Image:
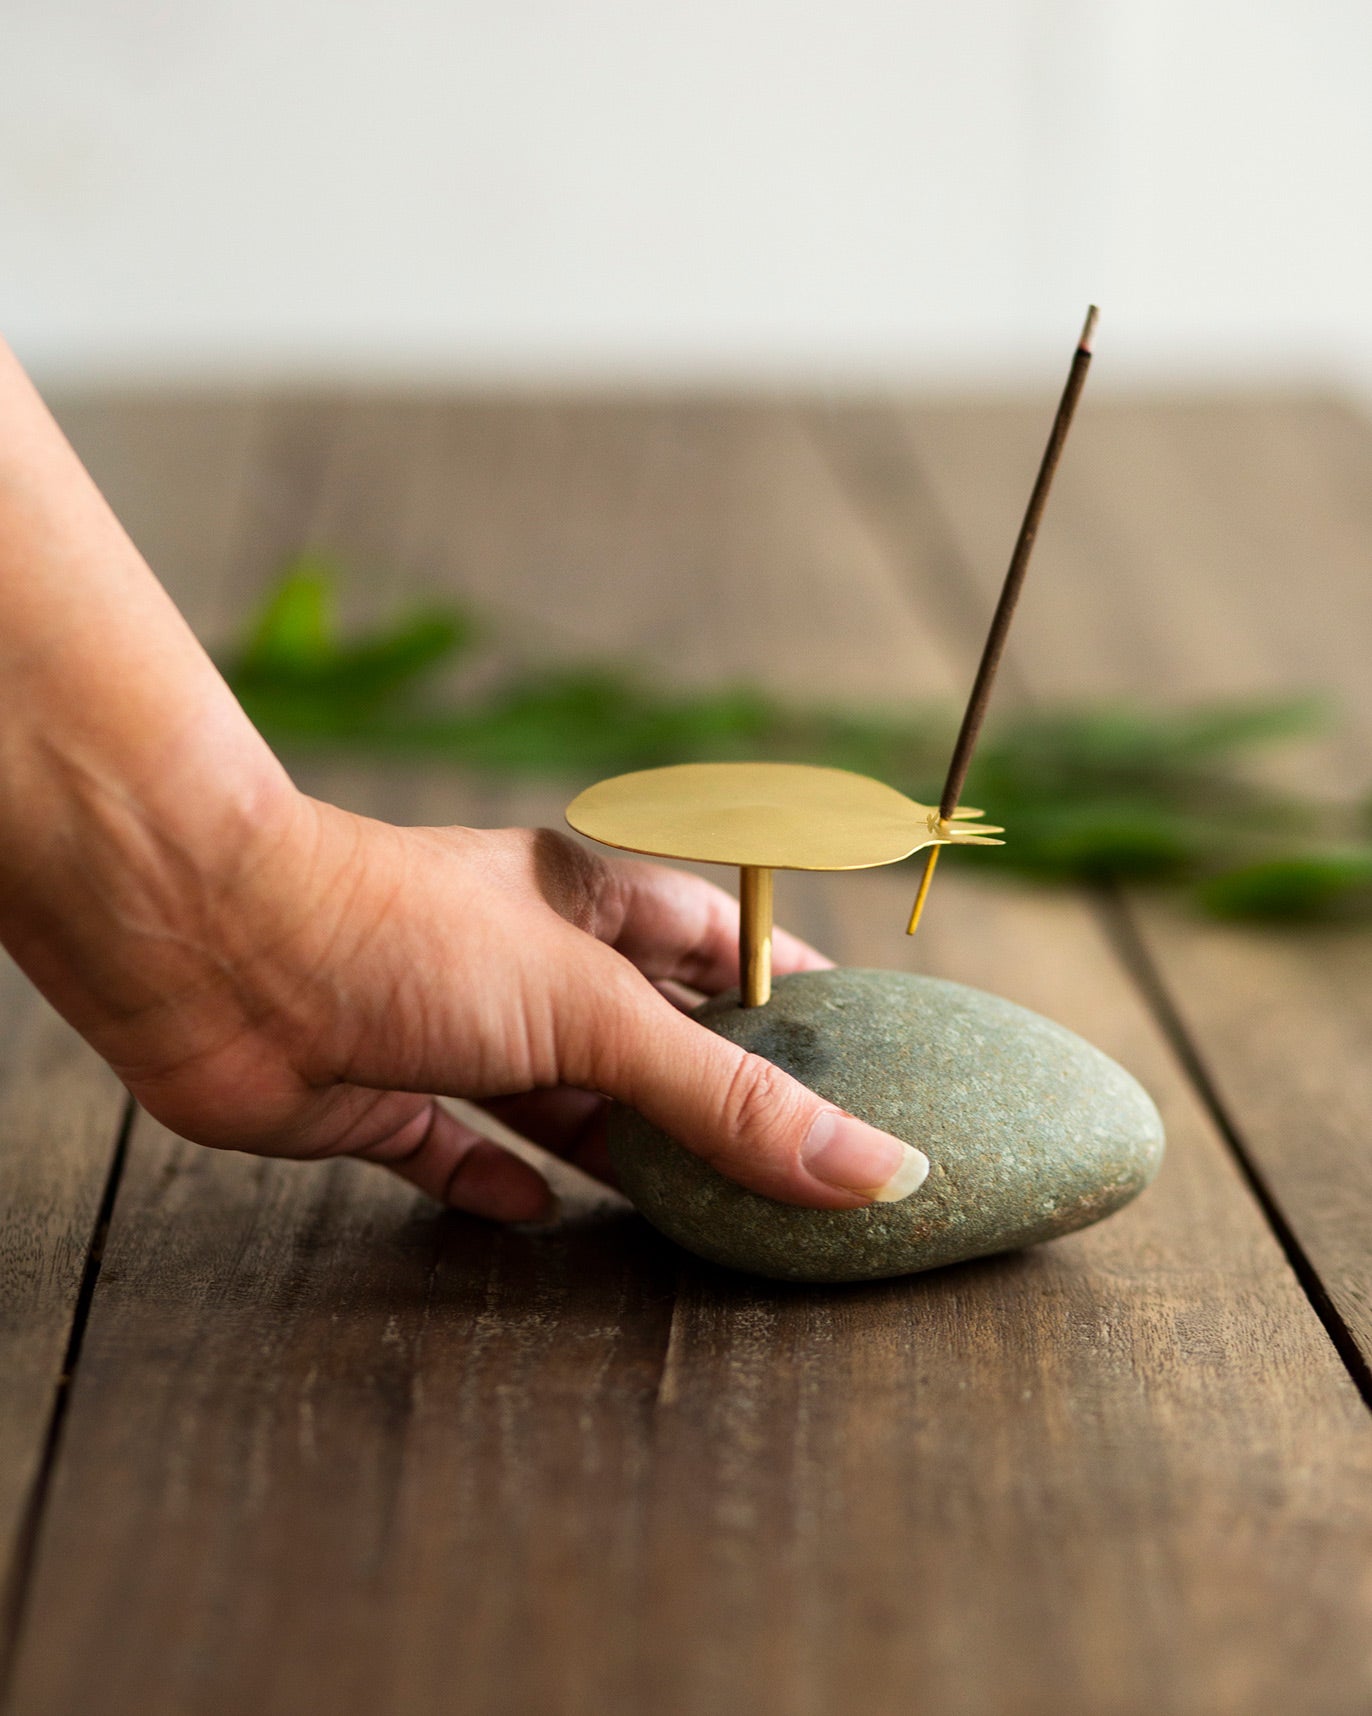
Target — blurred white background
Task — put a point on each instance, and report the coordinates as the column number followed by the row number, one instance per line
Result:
column 849, row 191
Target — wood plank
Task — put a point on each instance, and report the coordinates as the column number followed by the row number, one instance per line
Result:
column 173, row 471
column 1234, row 544
column 443, row 1423
column 612, row 530
column 360, row 1445
column 373, row 1458
column 1282, row 1019
column 60, row 1114
column 464, row 1577
column 1079, row 1549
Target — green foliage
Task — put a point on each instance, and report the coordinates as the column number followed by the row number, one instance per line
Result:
column 296, row 673
column 1089, row 793
column 1296, row 885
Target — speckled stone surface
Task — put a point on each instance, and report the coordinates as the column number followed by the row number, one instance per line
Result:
column 1030, row 1131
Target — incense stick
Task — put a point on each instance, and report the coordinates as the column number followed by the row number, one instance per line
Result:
column 994, row 647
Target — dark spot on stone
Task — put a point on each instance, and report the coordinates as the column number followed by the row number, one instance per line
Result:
column 789, row 1043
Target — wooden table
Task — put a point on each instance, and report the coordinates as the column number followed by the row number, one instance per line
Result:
column 280, row 1438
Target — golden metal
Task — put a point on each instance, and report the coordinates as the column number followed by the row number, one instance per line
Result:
column 755, row 935
column 764, row 817
column 917, row 911
column 773, row 816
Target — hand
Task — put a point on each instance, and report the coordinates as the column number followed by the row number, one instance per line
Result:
column 269, row 973
column 350, row 969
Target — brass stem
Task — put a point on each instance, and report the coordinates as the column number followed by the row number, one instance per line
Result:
column 923, row 893
column 755, row 935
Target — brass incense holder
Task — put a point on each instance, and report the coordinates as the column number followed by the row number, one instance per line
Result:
column 1028, row 1131
column 764, row 817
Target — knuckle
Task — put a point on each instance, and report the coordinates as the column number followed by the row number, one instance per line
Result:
column 759, row 1102
column 573, row 879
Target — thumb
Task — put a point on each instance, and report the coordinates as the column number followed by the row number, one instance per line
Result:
column 743, row 1115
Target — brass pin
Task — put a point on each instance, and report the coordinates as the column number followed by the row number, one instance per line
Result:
column 755, row 934
column 917, row 911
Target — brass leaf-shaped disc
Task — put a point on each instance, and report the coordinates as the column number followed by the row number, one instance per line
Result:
column 775, row 816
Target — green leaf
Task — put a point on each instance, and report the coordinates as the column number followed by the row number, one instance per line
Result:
column 1215, row 729
column 294, row 664
column 294, row 632
column 1305, row 885
column 394, row 660
column 1098, row 838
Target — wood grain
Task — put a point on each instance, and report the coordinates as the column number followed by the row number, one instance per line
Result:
column 370, row 1458
column 360, row 1447
column 177, row 471
column 600, row 531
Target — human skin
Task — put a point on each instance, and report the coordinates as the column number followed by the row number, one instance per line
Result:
column 272, row 974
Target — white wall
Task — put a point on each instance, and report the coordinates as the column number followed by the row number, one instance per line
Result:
column 861, row 189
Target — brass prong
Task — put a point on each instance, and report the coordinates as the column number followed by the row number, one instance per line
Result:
column 755, row 935
column 917, row 912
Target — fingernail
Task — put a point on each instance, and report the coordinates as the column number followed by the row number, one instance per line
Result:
column 855, row 1157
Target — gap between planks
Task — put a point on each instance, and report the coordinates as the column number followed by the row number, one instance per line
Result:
column 1133, row 952
column 20, row 1579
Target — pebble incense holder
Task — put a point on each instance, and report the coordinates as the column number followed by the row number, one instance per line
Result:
column 1029, row 1130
